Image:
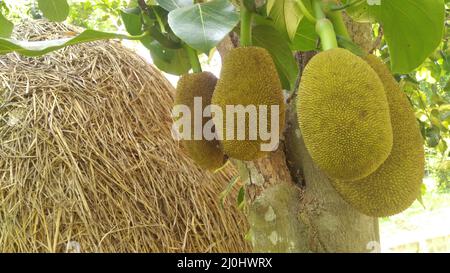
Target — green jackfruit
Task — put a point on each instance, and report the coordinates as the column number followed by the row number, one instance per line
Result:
column 248, row 78
column 207, row 154
column 344, row 115
column 397, row 183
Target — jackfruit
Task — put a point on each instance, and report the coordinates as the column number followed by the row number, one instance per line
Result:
column 249, row 78
column 344, row 115
column 397, row 183
column 206, row 153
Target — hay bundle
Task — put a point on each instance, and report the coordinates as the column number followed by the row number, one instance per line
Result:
column 87, row 161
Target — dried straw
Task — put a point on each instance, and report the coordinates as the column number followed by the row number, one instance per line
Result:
column 87, row 161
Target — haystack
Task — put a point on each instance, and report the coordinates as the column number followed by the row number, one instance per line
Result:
column 88, row 163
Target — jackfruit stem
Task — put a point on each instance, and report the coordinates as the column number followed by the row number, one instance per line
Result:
column 338, row 23
column 193, row 58
column 324, row 27
column 246, row 26
column 318, row 9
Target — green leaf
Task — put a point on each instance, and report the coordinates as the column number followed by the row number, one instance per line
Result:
column 360, row 11
column 6, row 27
column 156, row 21
column 270, row 4
column 241, row 198
column 433, row 136
column 170, row 5
column 132, row 20
column 444, row 110
column 286, row 15
column 167, row 40
column 423, row 191
column 227, row 191
column 40, row 48
column 54, row 10
column 270, row 39
column 412, row 29
column 172, row 61
column 442, row 147
column 306, row 37
column 249, row 236
column 435, row 118
column 203, row 26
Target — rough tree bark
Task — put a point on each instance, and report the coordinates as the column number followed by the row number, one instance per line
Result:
column 292, row 206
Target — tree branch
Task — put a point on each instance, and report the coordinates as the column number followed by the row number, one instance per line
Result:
column 144, row 6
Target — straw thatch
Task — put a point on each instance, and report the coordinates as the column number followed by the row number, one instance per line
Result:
column 87, row 161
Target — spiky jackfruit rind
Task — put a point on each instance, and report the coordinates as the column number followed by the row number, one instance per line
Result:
column 344, row 115
column 248, row 77
column 207, row 154
column 394, row 186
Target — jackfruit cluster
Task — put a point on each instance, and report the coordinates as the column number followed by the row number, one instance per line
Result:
column 344, row 115
column 206, row 153
column 395, row 185
column 248, row 78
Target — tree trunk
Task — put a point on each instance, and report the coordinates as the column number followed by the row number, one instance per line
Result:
column 292, row 206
